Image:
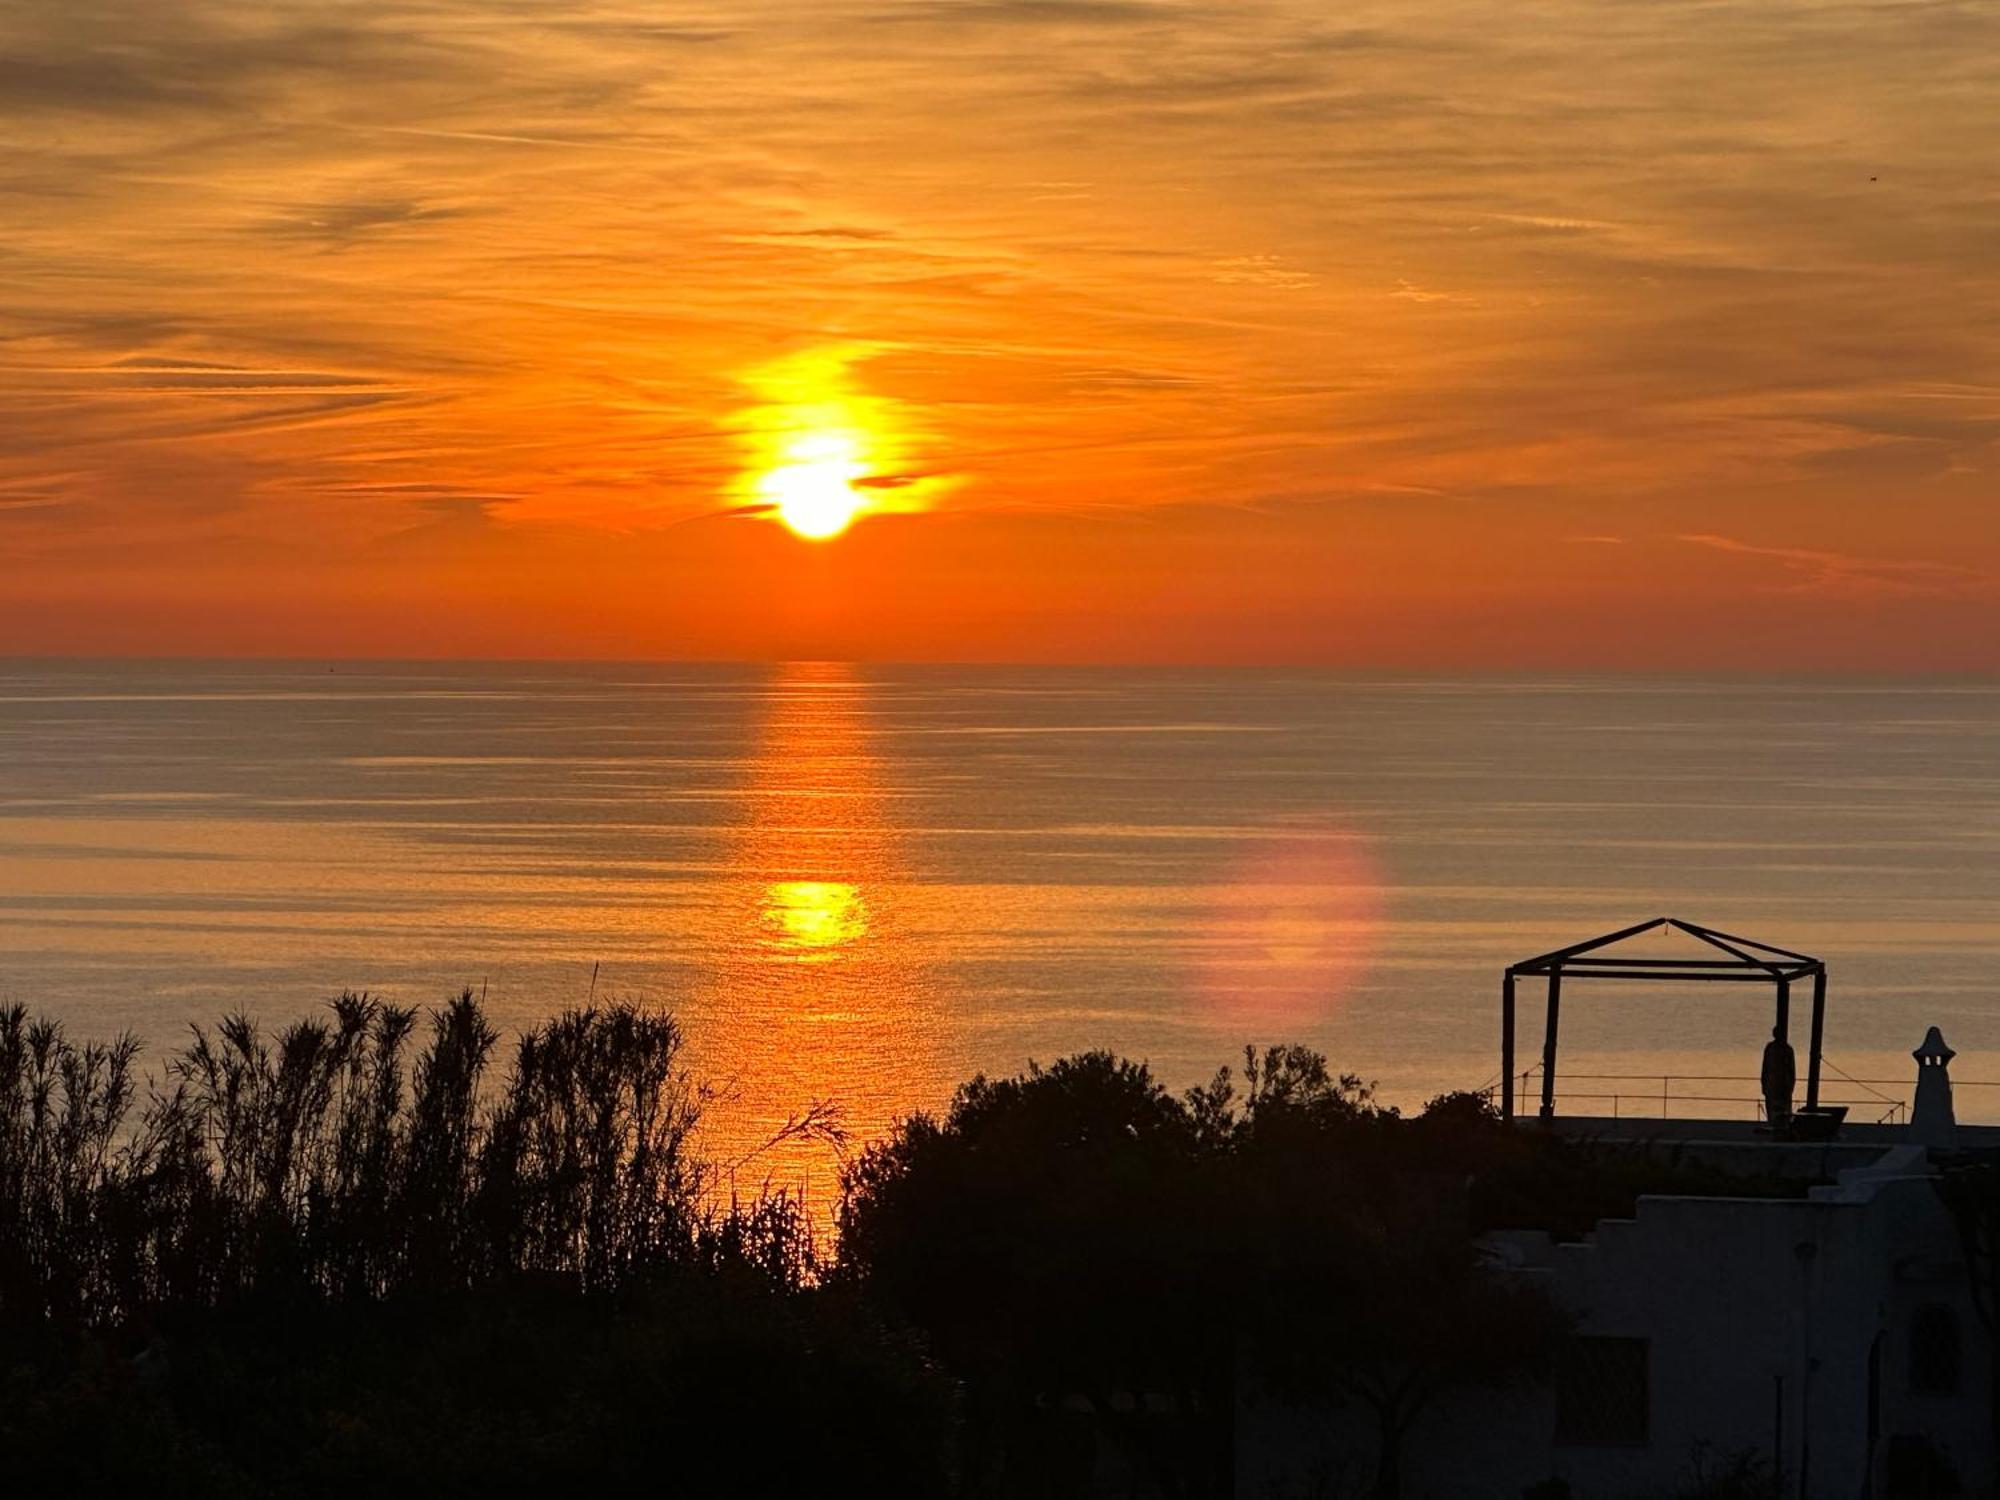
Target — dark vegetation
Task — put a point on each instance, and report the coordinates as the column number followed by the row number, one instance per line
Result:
column 350, row 1258
column 330, row 1262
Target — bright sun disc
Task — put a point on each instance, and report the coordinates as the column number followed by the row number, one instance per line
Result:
column 813, row 489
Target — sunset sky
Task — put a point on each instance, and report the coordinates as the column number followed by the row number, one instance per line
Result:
column 1428, row 333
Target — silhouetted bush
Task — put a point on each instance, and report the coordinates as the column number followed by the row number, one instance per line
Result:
column 322, row 1162
column 1084, row 1250
column 1111, row 1271
column 313, row 1264
column 693, row 1384
column 348, row 1258
column 1049, row 1238
column 1729, row 1474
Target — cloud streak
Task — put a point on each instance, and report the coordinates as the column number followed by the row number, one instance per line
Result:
column 1807, row 568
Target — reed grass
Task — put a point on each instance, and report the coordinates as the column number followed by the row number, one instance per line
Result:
column 360, row 1154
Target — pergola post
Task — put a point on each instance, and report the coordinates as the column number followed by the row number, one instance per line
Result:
column 1818, row 1025
column 1784, row 1022
column 1549, row 1045
column 1507, row 1047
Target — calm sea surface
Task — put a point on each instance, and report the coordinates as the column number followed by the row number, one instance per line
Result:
column 862, row 884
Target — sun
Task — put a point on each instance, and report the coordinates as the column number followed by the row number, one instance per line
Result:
column 811, row 485
column 820, row 452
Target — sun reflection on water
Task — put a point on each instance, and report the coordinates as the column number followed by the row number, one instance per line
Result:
column 813, row 918
column 827, row 996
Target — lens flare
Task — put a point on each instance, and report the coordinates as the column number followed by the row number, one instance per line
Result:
column 1292, row 929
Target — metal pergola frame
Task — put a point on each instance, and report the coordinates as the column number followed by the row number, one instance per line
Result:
column 1737, row 960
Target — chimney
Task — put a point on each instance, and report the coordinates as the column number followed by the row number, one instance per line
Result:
column 1931, row 1120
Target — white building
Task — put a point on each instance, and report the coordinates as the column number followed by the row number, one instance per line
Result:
column 1823, row 1346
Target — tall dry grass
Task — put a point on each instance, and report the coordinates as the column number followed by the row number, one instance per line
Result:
column 346, row 1157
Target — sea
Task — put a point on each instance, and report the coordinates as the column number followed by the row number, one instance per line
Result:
column 858, row 886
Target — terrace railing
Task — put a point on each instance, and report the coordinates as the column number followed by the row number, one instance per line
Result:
column 1686, row 1096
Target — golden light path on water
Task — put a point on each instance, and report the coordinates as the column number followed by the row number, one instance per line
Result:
column 830, row 998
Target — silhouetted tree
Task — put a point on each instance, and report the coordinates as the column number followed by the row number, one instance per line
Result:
column 1077, row 1236
column 1357, row 1248
column 1052, row 1237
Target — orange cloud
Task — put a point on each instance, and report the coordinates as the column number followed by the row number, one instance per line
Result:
column 1189, row 331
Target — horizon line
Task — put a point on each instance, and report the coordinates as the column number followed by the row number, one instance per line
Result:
column 1467, row 669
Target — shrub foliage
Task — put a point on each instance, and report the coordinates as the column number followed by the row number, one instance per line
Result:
column 334, row 1159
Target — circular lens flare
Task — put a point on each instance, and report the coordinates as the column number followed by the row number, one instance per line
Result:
column 1293, row 928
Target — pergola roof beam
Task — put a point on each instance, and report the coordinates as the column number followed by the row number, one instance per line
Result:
column 1639, row 968
column 1589, row 961
column 1598, row 942
column 1711, row 932
column 1716, row 976
column 1716, row 940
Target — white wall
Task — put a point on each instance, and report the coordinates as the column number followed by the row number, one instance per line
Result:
column 1757, row 1312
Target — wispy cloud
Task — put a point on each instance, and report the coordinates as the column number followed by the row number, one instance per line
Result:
column 341, row 223
column 1811, row 569
column 1409, row 291
column 278, row 269
column 1260, row 270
